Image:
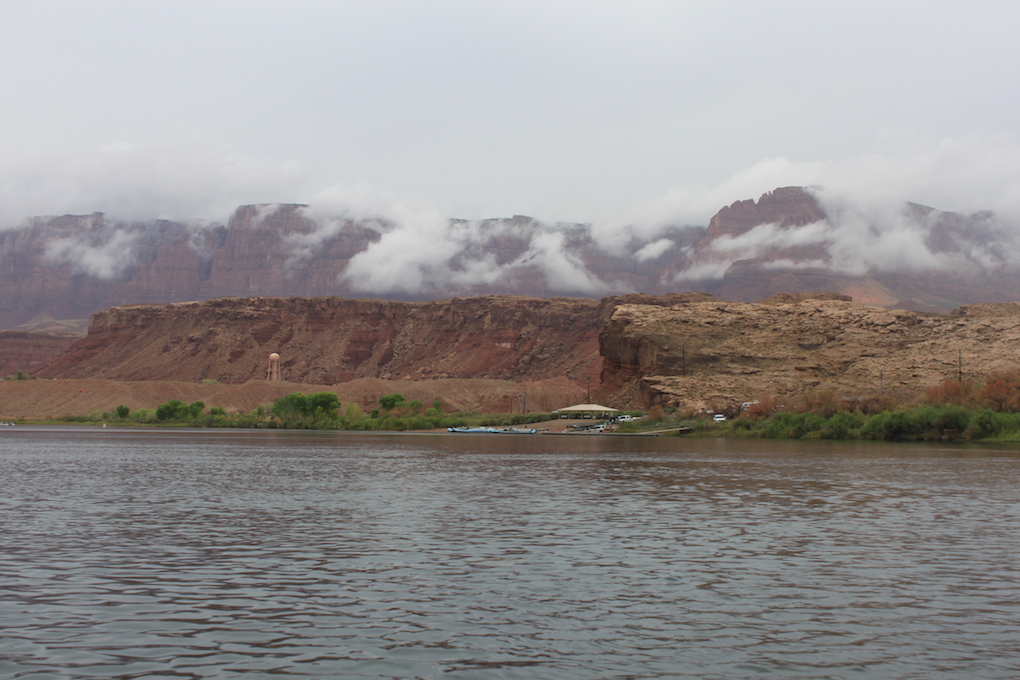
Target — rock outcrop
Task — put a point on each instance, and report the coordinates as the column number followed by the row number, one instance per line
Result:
column 636, row 350
column 785, row 207
column 26, row 351
column 704, row 354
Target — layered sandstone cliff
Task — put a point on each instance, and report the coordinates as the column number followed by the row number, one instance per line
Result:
column 26, row 351
column 636, row 350
column 330, row 340
column 704, row 354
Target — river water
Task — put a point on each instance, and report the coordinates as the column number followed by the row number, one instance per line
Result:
column 226, row 554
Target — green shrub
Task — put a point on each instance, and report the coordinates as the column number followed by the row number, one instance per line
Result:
column 389, row 402
column 327, row 404
column 299, row 411
column 843, row 425
column 171, row 410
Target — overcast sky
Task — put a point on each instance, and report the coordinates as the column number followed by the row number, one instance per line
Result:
column 608, row 112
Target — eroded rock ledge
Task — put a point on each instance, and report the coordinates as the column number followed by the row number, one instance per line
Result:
column 702, row 354
column 634, row 350
column 330, row 340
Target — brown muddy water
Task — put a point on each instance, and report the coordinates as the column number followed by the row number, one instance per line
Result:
column 226, row 554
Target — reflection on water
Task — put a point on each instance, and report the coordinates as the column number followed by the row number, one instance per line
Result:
column 223, row 554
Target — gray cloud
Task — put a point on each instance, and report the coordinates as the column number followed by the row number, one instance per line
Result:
column 182, row 179
column 100, row 250
column 553, row 109
column 422, row 251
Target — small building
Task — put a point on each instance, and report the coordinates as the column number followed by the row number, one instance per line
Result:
column 589, row 410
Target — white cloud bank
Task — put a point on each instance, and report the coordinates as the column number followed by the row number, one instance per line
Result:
column 963, row 175
column 421, row 249
column 184, row 179
column 868, row 226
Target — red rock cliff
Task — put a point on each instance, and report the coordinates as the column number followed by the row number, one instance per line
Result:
column 26, row 351
column 331, row 340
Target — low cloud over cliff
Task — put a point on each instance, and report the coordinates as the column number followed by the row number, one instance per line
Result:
column 866, row 223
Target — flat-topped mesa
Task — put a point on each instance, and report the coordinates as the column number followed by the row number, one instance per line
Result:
column 328, row 340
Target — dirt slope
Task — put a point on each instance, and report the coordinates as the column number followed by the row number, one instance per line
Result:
column 34, row 399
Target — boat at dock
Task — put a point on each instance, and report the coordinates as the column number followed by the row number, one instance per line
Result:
column 492, row 430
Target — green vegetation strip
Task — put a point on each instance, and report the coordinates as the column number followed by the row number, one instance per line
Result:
column 319, row 411
column 949, row 411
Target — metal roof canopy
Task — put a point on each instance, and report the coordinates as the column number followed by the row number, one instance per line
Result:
column 587, row 408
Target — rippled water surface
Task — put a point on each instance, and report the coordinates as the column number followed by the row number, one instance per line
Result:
column 204, row 554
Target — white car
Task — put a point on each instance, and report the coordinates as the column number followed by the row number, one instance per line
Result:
column 719, row 418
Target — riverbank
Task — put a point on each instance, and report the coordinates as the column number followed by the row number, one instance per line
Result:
column 47, row 400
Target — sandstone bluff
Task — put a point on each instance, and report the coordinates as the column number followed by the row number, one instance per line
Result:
column 634, row 351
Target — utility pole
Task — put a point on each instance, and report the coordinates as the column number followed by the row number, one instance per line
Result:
column 959, row 366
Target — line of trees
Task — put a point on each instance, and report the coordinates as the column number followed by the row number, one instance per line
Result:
column 321, row 410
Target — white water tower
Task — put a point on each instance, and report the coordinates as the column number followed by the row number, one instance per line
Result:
column 273, row 372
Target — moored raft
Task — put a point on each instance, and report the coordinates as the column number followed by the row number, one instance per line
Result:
column 492, row 430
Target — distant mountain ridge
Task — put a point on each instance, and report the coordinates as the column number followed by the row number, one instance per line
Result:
column 788, row 241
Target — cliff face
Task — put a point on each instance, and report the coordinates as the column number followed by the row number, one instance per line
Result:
column 277, row 250
column 905, row 257
column 67, row 267
column 704, row 354
column 785, row 207
column 332, row 340
column 636, row 350
column 26, row 351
